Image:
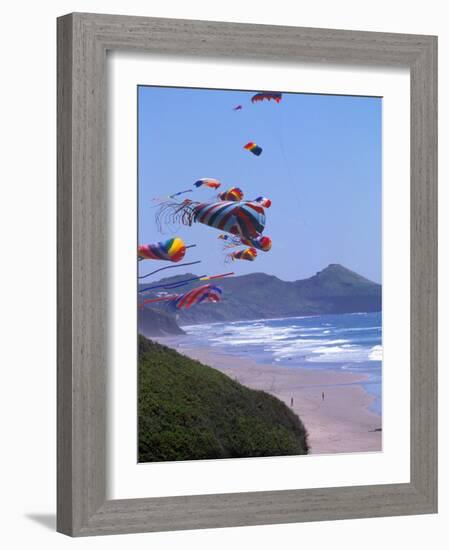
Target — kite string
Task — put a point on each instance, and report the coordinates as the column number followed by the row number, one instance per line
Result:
column 181, row 283
column 292, row 179
column 169, row 267
column 171, row 285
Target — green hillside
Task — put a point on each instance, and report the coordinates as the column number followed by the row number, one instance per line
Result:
column 190, row 411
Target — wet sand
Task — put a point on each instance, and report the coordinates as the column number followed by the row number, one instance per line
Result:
column 339, row 423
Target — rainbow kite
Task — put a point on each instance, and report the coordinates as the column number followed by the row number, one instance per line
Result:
column 253, row 148
column 172, row 250
column 232, row 194
column 248, row 254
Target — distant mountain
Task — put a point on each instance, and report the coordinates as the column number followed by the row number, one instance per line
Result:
column 335, row 289
column 157, row 323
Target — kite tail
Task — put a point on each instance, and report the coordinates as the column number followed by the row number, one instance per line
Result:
column 168, row 267
column 175, row 213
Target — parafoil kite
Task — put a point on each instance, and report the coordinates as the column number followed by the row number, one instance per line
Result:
column 253, row 147
column 201, row 294
column 232, row 194
column 208, row 182
column 172, row 250
column 266, row 203
column 262, row 242
column 242, row 218
column 275, row 96
column 205, row 293
column 248, row 254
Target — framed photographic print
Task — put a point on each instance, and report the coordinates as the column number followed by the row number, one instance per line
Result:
column 269, row 354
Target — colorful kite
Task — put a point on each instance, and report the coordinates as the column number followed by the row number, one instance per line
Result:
column 275, row 96
column 262, row 242
column 254, row 148
column 266, row 203
column 232, row 194
column 172, row 250
column 208, row 182
column 243, row 218
column 201, row 294
column 205, row 293
column 248, row 254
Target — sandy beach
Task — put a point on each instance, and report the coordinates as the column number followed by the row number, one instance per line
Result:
column 339, row 423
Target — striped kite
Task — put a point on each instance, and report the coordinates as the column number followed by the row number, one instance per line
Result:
column 242, row 218
column 205, row 293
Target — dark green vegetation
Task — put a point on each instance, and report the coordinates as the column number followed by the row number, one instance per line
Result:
column 335, row 289
column 189, row 411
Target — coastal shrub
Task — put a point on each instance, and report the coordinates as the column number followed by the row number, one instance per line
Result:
column 190, row 411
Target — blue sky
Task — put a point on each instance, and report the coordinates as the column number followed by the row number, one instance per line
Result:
column 321, row 166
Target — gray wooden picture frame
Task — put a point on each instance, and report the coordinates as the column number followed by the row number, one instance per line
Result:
column 83, row 40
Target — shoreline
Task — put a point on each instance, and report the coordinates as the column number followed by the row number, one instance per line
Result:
column 339, row 423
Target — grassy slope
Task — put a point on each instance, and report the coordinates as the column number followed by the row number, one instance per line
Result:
column 190, row 411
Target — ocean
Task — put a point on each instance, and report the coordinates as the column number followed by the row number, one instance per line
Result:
column 349, row 342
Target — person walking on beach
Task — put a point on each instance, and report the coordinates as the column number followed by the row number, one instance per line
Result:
column 291, row 402
column 322, row 396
